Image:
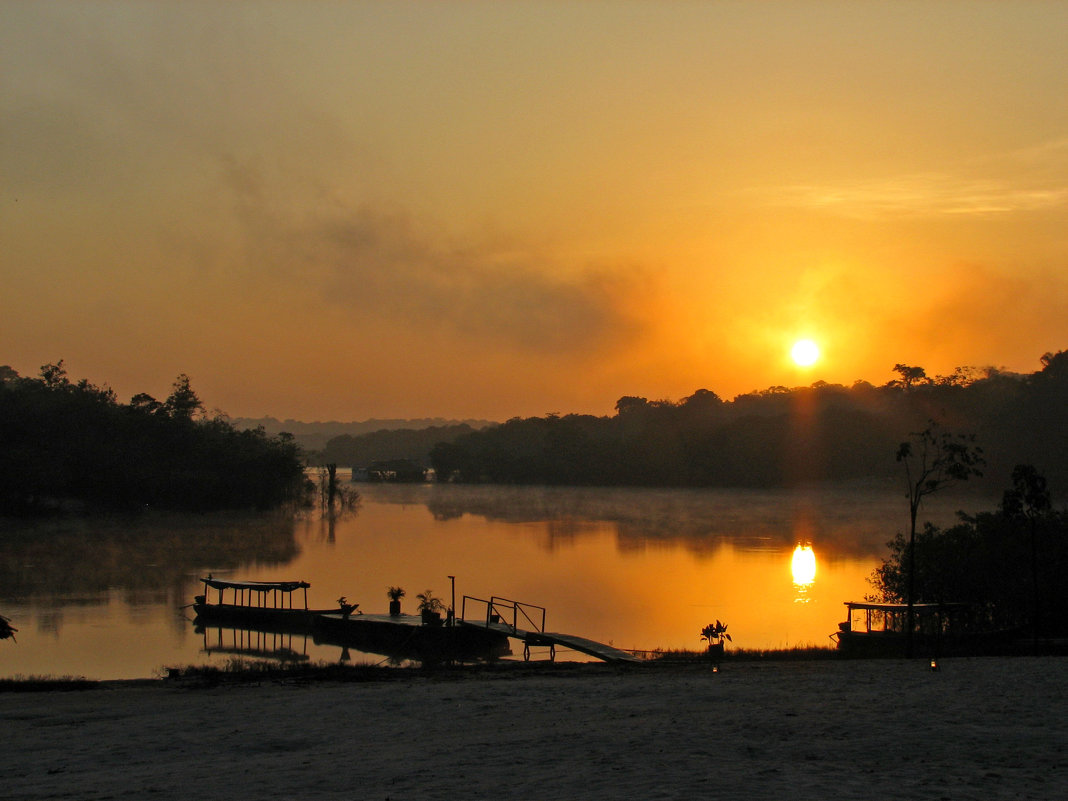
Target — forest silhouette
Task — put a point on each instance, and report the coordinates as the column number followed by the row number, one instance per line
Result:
column 73, row 443
column 72, row 446
column 779, row 437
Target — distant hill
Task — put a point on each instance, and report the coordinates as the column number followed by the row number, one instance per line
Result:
column 313, row 437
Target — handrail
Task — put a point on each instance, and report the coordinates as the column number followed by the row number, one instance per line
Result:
column 503, row 608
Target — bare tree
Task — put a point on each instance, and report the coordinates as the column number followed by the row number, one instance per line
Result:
column 933, row 460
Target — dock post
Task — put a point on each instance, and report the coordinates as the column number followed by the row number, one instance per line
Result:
column 452, row 607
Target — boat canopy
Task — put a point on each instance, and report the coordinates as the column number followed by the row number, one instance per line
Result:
column 256, row 586
column 877, row 607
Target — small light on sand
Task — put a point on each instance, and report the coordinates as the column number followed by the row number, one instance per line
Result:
column 934, row 665
column 715, row 668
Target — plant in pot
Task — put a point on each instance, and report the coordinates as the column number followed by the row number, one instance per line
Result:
column 430, row 608
column 394, row 594
column 715, row 634
column 347, row 608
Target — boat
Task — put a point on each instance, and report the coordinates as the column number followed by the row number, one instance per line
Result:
column 939, row 629
column 268, row 603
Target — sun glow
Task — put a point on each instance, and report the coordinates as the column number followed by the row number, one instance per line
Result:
column 805, row 352
column 803, row 565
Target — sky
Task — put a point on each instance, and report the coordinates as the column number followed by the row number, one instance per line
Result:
column 346, row 210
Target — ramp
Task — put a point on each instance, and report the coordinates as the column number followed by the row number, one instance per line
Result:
column 600, row 650
column 498, row 610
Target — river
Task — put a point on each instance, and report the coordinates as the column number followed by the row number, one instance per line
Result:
column 637, row 568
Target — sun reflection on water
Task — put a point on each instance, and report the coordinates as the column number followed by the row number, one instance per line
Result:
column 803, row 567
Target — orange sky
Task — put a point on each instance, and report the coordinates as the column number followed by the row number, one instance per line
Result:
column 328, row 210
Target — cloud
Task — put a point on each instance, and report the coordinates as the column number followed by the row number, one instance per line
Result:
column 384, row 266
column 917, row 195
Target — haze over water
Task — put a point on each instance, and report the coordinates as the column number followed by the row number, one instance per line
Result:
column 640, row 569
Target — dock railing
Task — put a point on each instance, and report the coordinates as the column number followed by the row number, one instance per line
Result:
column 507, row 612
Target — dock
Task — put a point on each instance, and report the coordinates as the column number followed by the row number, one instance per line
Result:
column 499, row 610
column 483, row 634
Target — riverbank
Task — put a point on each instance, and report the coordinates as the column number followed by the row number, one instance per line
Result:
column 811, row 729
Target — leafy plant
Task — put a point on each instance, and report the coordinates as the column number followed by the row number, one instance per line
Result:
column 429, row 603
column 395, row 593
column 715, row 633
column 6, row 629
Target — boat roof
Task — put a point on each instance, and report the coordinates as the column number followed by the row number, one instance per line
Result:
column 258, row 586
column 878, row 607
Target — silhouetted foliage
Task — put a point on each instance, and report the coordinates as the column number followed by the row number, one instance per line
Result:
column 776, row 437
column 73, row 445
column 387, row 445
column 1028, row 502
column 933, row 460
column 987, row 560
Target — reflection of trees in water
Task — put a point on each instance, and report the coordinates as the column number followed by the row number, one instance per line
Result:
column 147, row 559
column 852, row 520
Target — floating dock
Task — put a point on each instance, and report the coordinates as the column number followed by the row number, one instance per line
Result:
column 269, row 607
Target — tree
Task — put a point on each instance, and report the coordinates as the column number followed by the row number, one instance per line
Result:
column 144, row 402
column 933, row 460
column 183, row 402
column 909, row 376
column 1029, row 500
column 630, row 403
column 54, row 376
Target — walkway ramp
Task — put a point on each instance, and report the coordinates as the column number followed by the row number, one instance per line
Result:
column 505, row 616
column 598, row 649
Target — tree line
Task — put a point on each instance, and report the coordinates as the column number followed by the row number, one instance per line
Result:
column 72, row 445
column 777, row 437
column 384, row 445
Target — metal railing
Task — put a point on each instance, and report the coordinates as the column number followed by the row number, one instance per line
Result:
column 507, row 612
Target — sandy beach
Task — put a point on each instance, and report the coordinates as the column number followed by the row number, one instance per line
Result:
column 977, row 729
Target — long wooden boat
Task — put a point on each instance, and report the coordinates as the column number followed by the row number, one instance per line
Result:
column 260, row 602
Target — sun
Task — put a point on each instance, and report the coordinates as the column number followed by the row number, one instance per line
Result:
column 805, row 353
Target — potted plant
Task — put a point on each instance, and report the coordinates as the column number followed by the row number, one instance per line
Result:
column 346, row 608
column 715, row 634
column 430, row 608
column 394, row 594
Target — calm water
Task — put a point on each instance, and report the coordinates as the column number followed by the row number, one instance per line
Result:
column 640, row 569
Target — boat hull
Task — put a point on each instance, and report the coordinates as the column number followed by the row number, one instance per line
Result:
column 295, row 621
column 876, row 644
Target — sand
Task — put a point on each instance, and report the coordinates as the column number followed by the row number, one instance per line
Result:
column 882, row 729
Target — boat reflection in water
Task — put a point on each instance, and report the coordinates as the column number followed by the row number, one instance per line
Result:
column 271, row 645
column 288, row 647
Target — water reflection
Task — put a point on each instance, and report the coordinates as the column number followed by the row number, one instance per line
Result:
column 639, row 569
column 855, row 521
column 803, row 568
column 147, row 559
column 276, row 646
